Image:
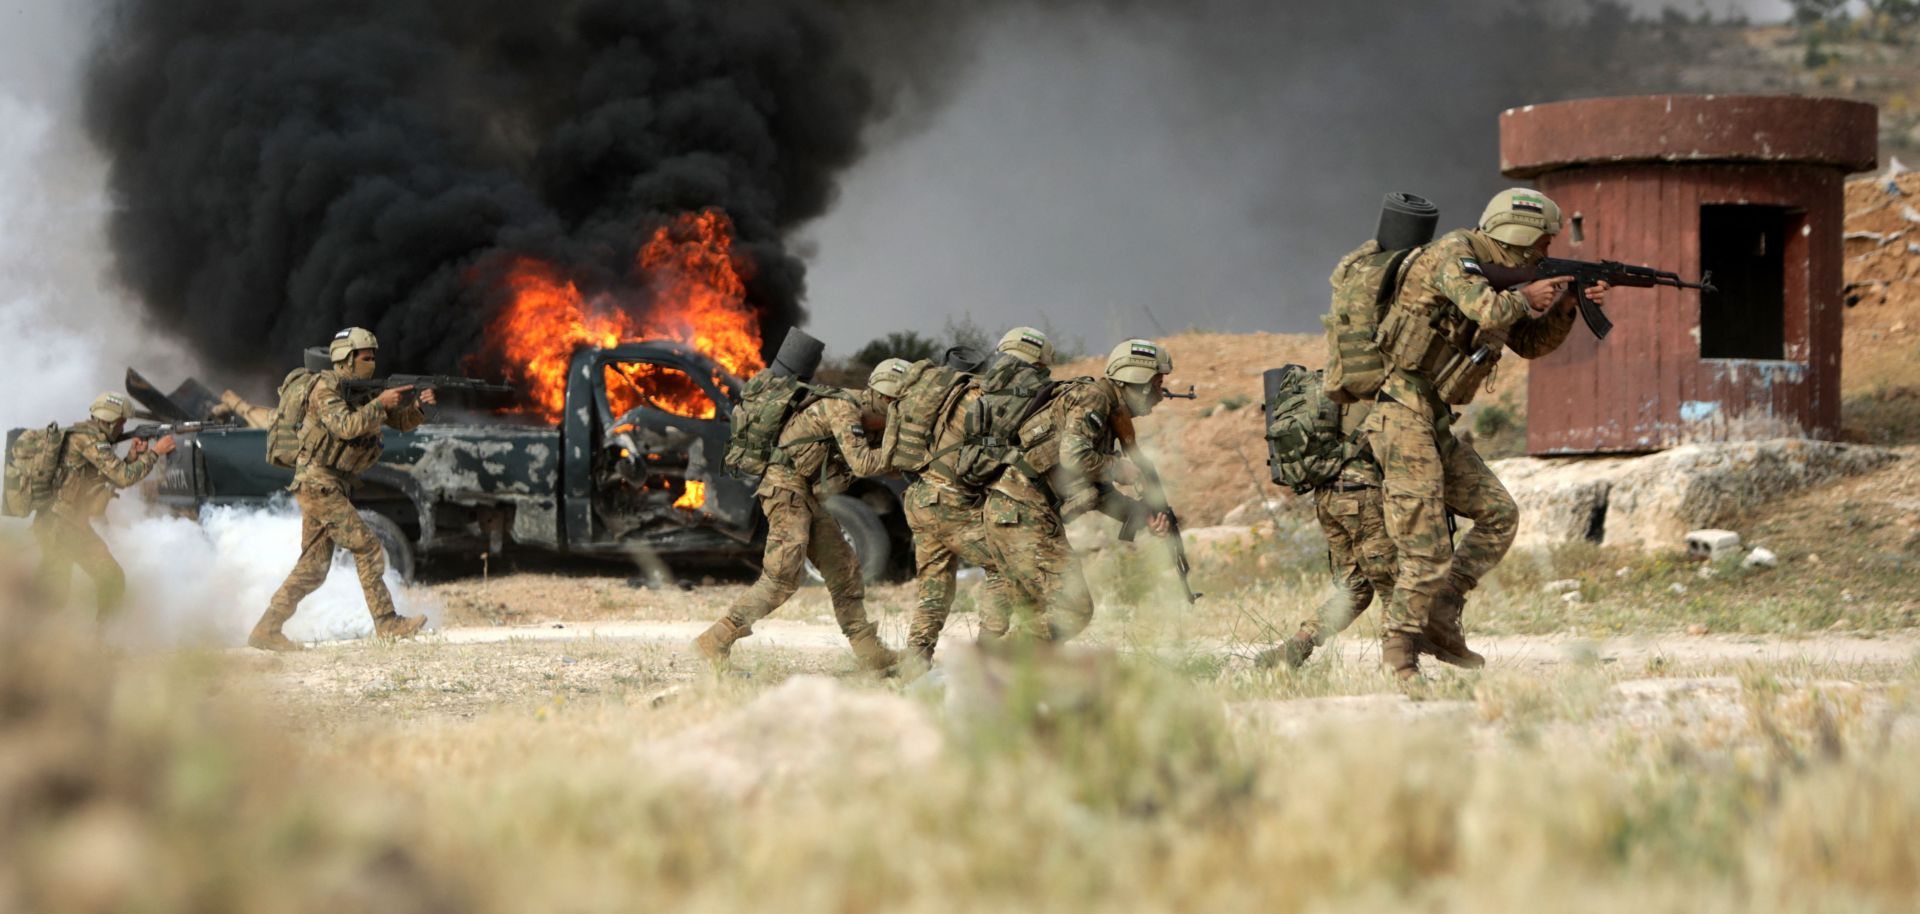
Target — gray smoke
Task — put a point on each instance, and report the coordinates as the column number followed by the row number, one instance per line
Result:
column 1127, row 168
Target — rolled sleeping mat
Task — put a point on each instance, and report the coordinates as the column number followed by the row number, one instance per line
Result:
column 799, row 355
column 966, row 358
column 315, row 358
column 1271, row 381
column 1406, row 220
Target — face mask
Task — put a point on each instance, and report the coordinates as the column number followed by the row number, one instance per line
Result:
column 359, row 371
column 1138, row 398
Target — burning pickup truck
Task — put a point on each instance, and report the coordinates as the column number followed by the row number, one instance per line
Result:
column 631, row 469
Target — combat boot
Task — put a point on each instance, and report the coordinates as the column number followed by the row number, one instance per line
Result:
column 1401, row 653
column 1442, row 634
column 715, row 645
column 394, row 625
column 266, row 634
column 871, row 652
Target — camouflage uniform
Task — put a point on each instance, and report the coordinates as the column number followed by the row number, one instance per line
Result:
column 946, row 520
column 337, row 443
column 1358, row 549
column 91, row 471
column 1426, row 471
column 820, row 447
column 1026, row 533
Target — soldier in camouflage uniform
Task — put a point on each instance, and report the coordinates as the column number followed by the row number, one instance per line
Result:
column 820, row 448
column 338, row 442
column 946, row 519
column 1442, row 336
column 1073, row 446
column 1358, row 548
column 90, row 472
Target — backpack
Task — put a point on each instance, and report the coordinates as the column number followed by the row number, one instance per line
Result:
column 927, row 396
column 1364, row 285
column 1011, row 392
column 283, row 425
column 34, row 470
column 765, row 405
column 1305, row 448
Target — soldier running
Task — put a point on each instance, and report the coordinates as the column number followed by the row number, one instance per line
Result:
column 1442, row 337
column 338, row 442
column 822, row 444
column 1069, row 465
column 90, row 473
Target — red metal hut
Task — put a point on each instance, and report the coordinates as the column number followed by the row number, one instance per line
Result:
column 1748, row 187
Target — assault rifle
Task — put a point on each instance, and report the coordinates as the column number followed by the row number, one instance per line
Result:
column 1584, row 274
column 151, row 432
column 1189, row 395
column 372, row 387
column 1153, row 496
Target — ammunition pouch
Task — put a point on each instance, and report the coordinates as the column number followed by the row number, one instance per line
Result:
column 351, row 456
column 1442, row 348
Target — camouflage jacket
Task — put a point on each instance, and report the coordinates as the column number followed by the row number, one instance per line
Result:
column 822, row 447
column 335, row 423
column 1084, row 412
column 937, row 480
column 91, row 471
column 1444, row 280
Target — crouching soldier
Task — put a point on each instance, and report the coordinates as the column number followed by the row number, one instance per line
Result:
column 1067, row 464
column 806, row 442
column 90, row 472
column 337, row 442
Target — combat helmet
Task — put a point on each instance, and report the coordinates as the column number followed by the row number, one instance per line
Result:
column 889, row 377
column 1028, row 345
column 1137, row 361
column 349, row 341
column 110, row 407
column 1519, row 216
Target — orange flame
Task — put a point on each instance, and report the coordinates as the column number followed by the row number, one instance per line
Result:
column 694, row 497
column 695, row 295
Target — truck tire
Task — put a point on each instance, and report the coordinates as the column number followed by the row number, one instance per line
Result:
column 399, row 549
column 865, row 533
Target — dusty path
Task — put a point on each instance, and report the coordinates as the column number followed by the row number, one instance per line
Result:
column 1523, row 650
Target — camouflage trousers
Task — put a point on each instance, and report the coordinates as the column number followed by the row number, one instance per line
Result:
column 66, row 542
column 1360, row 554
column 947, row 531
column 328, row 519
column 1028, row 543
column 798, row 529
column 1427, row 473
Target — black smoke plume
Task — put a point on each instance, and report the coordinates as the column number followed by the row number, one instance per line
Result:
column 284, row 168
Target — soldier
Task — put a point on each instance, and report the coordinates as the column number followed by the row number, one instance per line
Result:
column 338, row 442
column 1442, row 337
column 1068, row 466
column 1358, row 548
column 90, row 472
column 945, row 515
column 820, row 446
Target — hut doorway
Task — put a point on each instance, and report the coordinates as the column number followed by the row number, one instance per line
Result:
column 1744, row 246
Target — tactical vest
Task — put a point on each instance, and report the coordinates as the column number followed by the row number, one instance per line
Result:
column 283, row 424
column 1434, row 342
column 35, row 468
column 320, row 447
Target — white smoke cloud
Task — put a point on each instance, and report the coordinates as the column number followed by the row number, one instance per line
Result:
column 206, row 583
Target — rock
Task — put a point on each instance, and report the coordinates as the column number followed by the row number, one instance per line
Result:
column 1573, row 597
column 1254, row 512
column 1760, row 557
column 1846, row 596
column 1813, row 558
column 1712, row 545
column 1654, row 500
column 1676, row 588
column 1706, row 571
column 1697, row 629
column 1561, row 586
column 1622, row 572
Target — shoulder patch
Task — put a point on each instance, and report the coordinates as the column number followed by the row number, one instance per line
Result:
column 1471, row 267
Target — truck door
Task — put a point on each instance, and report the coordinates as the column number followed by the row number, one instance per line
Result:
column 667, row 431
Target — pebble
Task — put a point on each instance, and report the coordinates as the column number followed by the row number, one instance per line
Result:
column 1677, row 587
column 1562, row 586
column 1572, row 597
column 1706, row 571
column 1697, row 628
column 1622, row 572
column 1760, row 557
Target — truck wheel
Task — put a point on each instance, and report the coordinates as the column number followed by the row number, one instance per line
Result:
column 865, row 533
column 399, row 549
